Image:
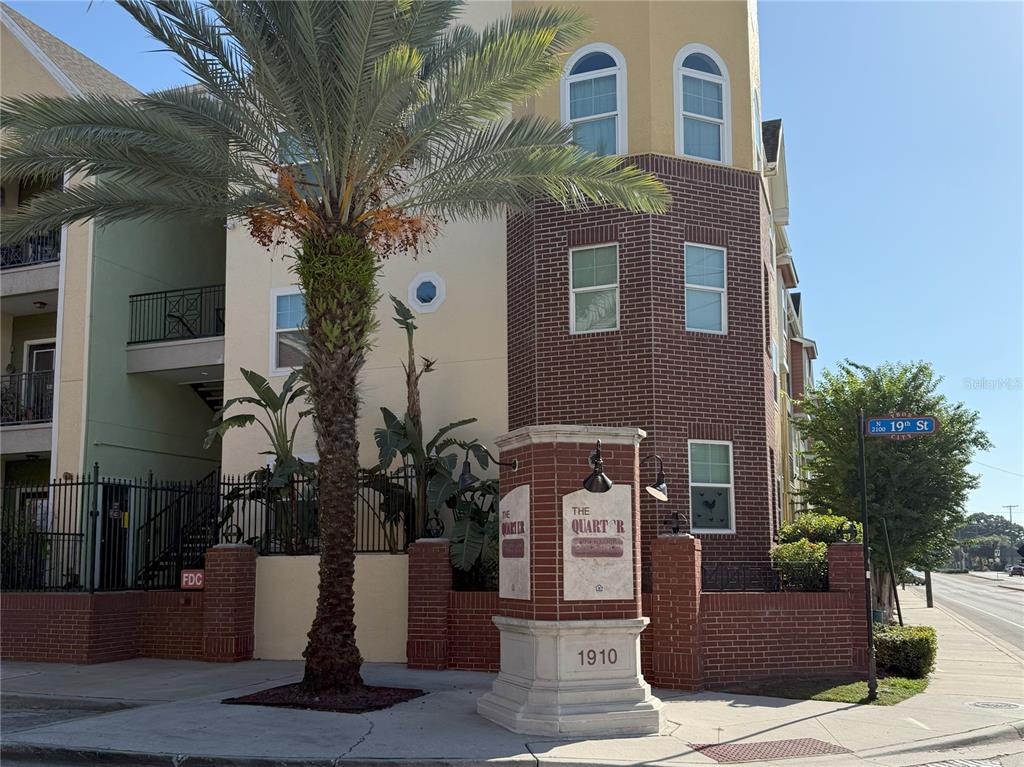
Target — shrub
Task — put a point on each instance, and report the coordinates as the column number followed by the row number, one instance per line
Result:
column 802, row 565
column 907, row 651
column 817, row 528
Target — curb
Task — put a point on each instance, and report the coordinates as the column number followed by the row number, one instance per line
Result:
column 983, row 736
column 27, row 753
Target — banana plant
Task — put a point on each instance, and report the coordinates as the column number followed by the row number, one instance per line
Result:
column 273, row 417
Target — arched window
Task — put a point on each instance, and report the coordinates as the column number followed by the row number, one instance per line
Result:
column 594, row 99
column 702, row 105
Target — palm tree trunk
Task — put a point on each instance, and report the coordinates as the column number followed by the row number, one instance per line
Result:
column 338, row 276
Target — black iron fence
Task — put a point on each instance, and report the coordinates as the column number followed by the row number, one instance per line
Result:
column 26, row 397
column 763, row 576
column 175, row 315
column 94, row 533
column 38, row 249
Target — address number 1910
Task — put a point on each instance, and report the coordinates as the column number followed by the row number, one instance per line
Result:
column 598, row 657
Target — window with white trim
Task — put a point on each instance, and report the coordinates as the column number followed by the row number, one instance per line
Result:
column 702, row 105
column 593, row 99
column 288, row 342
column 711, row 487
column 594, row 289
column 705, row 288
column 427, row 292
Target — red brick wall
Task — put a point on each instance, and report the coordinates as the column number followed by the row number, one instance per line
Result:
column 172, row 625
column 652, row 373
column 430, row 581
column 216, row 624
column 473, row 639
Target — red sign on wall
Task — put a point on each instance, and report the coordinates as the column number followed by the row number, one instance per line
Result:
column 193, row 580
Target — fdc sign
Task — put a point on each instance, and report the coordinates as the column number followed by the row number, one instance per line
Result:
column 193, row 580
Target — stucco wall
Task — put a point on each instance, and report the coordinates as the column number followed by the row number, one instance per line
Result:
column 26, row 329
column 286, row 589
column 140, row 422
column 649, row 34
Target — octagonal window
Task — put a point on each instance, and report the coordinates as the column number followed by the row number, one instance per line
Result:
column 426, row 292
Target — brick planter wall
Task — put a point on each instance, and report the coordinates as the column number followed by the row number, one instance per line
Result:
column 215, row 624
column 696, row 640
column 473, row 640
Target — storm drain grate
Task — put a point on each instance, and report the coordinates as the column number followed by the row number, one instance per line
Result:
column 995, row 704
column 768, row 749
column 964, row 763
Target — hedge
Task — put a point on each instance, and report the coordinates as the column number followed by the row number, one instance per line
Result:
column 907, row 651
column 817, row 528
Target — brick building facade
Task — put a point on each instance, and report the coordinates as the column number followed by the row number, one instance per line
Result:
column 651, row 372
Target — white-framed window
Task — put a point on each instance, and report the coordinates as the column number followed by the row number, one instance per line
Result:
column 427, row 292
column 711, row 487
column 774, row 351
column 594, row 288
column 287, row 336
column 706, row 296
column 594, row 99
column 702, row 104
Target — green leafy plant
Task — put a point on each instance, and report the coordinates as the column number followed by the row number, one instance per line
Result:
column 293, row 504
column 347, row 132
column 817, row 528
column 802, row 565
column 907, row 651
column 474, row 540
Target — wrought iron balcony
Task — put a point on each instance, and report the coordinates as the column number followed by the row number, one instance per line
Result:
column 26, row 398
column 38, row 249
column 176, row 315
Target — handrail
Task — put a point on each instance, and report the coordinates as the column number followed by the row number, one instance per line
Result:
column 37, row 249
column 26, row 397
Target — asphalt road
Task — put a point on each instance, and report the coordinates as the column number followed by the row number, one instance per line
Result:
column 1000, row 611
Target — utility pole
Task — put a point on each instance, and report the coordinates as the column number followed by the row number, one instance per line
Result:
column 1010, row 508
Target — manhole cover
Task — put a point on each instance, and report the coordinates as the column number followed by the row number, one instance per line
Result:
column 766, row 750
column 995, row 704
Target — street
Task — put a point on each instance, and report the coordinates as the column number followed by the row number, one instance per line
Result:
column 997, row 610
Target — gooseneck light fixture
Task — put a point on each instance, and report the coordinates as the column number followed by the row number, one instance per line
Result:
column 467, row 477
column 659, row 490
column 597, row 481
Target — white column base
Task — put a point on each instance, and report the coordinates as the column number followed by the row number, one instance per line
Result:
column 547, row 687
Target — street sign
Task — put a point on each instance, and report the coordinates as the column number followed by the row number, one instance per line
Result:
column 902, row 426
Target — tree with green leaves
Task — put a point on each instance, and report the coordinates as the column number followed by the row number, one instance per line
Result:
column 981, row 524
column 347, row 131
column 917, row 486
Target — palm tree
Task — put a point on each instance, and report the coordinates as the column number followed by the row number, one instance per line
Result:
column 347, row 130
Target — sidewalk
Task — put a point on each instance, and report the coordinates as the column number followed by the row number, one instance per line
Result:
column 1005, row 581
column 168, row 712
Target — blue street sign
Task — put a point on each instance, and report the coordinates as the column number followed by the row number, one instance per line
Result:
column 907, row 426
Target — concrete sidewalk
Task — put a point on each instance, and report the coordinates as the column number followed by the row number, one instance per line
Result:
column 145, row 712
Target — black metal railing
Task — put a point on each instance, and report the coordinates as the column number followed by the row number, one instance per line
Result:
column 92, row 533
column 26, row 397
column 37, row 249
column 175, row 315
column 763, row 576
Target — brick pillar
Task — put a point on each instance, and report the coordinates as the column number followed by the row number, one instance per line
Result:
column 675, row 612
column 229, row 603
column 846, row 573
column 430, row 580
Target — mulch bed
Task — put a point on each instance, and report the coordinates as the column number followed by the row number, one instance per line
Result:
column 354, row 701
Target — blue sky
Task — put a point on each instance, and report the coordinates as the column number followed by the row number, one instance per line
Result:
column 903, row 125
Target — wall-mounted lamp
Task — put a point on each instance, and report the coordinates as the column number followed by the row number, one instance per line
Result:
column 659, row 490
column 40, row 304
column 467, row 477
column 597, row 481
column 847, row 531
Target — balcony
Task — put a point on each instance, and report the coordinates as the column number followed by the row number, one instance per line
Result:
column 26, row 411
column 178, row 334
column 31, row 268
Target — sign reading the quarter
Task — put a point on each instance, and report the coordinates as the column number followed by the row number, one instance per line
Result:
column 597, row 544
column 514, row 544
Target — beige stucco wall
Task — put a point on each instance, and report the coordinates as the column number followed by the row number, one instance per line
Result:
column 286, row 589
column 649, row 34
column 21, row 72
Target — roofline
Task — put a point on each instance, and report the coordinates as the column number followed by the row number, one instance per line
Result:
column 37, row 53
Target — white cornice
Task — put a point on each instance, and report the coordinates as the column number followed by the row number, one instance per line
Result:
column 566, row 434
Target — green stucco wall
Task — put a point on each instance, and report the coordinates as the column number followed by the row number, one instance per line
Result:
column 139, row 423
